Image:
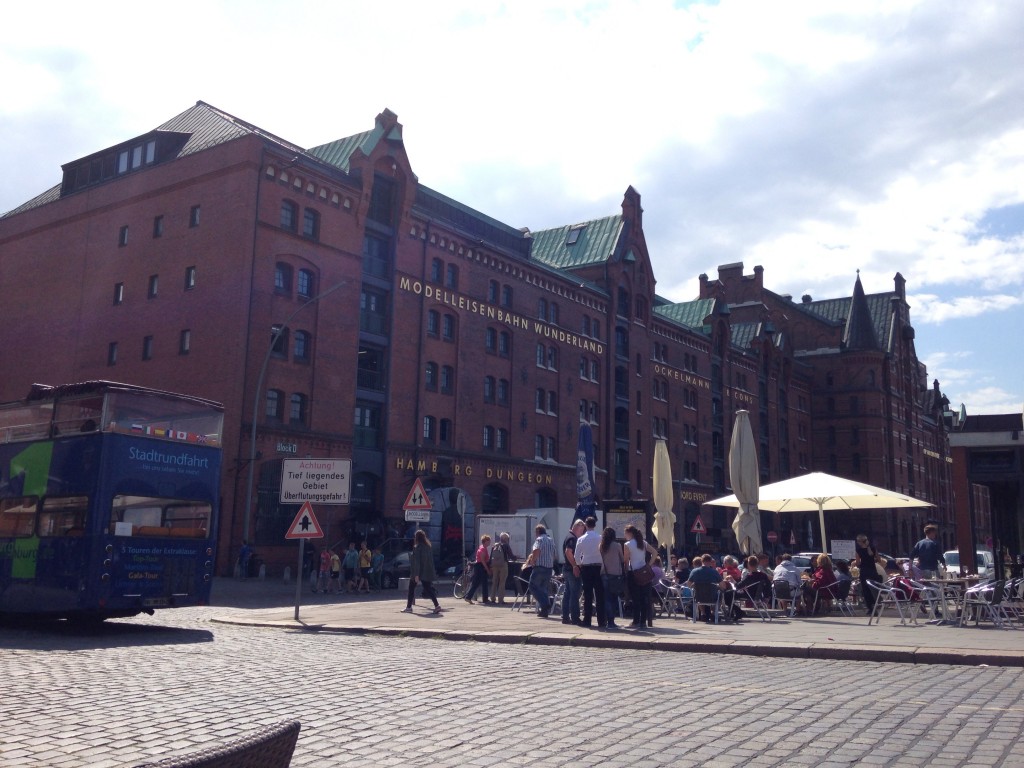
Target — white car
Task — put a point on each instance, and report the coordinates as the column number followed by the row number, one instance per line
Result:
column 983, row 559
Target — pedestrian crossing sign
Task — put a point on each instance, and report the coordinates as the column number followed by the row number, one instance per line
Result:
column 417, row 498
column 305, row 524
column 698, row 525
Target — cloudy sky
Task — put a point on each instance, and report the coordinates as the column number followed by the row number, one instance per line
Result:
column 812, row 138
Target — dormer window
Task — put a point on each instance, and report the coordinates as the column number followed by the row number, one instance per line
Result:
column 574, row 234
column 114, row 162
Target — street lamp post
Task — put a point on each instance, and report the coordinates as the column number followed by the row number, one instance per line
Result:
column 256, row 404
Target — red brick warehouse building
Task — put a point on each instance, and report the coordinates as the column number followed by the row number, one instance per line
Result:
column 421, row 338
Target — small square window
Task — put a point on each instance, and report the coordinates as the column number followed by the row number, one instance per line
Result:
column 193, row 216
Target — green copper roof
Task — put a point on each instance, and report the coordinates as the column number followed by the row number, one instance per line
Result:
column 879, row 306
column 577, row 245
column 338, row 153
column 688, row 313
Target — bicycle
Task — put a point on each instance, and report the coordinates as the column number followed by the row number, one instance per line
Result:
column 462, row 582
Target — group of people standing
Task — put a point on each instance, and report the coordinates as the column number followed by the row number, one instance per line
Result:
column 356, row 572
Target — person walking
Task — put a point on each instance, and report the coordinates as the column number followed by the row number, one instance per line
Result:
column 421, row 571
column 335, row 573
column 571, row 575
column 635, row 552
column 365, row 558
column 244, row 556
column 588, row 562
column 324, row 574
column 541, row 562
column 501, row 556
column 481, row 569
column 929, row 553
column 612, row 575
column 350, row 565
column 867, row 556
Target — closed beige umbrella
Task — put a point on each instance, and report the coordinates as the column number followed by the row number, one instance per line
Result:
column 664, row 518
column 745, row 478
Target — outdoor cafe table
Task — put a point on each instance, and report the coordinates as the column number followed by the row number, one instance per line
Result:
column 954, row 595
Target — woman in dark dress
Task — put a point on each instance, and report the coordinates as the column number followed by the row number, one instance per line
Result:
column 866, row 556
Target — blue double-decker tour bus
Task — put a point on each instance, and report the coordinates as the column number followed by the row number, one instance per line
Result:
column 109, row 499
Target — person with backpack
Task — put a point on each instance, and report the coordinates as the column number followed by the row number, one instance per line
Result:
column 501, row 556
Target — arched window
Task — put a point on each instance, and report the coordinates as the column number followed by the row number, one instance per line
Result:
column 282, row 277
column 489, row 388
column 447, row 379
column 289, row 216
column 305, row 284
column 297, row 409
column 622, row 303
column 445, row 432
column 429, row 429
column 488, row 438
column 274, row 405
column 301, row 347
column 451, row 277
column 494, row 499
column 491, row 340
column 311, row 224
column 430, row 376
column 545, row 497
column 436, row 270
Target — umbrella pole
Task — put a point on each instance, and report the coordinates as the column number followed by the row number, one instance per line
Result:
column 821, row 523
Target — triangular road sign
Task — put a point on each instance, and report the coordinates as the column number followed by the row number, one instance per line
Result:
column 417, row 498
column 698, row 525
column 305, row 525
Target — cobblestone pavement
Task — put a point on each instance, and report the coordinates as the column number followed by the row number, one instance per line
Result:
column 139, row 689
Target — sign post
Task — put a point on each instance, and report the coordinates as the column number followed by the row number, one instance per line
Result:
column 698, row 527
column 772, row 537
column 326, row 481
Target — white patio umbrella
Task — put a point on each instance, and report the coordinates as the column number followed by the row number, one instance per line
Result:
column 744, row 476
column 664, row 518
column 820, row 491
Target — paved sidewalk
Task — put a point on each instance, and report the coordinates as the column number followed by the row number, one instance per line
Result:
column 272, row 604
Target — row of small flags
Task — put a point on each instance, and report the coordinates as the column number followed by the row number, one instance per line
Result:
column 171, row 434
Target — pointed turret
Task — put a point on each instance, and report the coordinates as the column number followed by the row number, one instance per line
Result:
column 860, row 330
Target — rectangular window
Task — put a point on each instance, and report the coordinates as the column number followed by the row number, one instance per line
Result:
column 112, row 353
column 147, row 348
column 193, row 216
column 122, row 236
column 154, row 281
column 190, row 278
column 448, row 328
column 185, row 342
column 118, row 293
column 158, row 226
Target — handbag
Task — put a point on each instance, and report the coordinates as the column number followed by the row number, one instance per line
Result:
column 615, row 585
column 643, row 576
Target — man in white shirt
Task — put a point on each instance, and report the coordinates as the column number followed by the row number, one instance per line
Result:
column 588, row 568
column 786, row 571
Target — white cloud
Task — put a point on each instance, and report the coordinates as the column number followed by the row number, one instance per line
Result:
column 929, row 308
column 991, row 400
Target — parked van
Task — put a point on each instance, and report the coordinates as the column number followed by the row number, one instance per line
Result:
column 982, row 558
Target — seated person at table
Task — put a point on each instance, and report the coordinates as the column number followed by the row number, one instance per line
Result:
column 910, row 569
column 754, row 582
column 731, row 568
column 786, row 571
column 682, row 570
column 823, row 578
column 707, row 573
column 842, row 569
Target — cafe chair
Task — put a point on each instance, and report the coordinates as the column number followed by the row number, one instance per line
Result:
column 888, row 597
column 759, row 597
column 985, row 601
column 269, row 747
column 706, row 596
column 782, row 592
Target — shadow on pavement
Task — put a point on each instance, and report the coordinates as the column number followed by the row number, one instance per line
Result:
column 37, row 634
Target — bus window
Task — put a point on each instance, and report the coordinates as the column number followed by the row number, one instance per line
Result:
column 63, row 516
column 18, row 516
column 82, row 414
column 153, row 516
